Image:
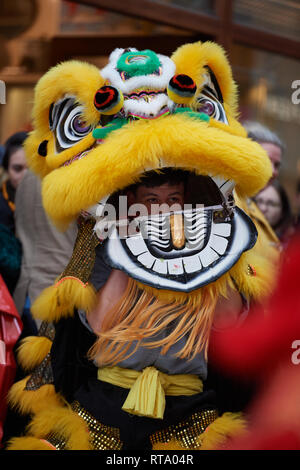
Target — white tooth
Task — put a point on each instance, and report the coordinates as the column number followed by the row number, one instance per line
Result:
column 225, row 186
column 160, row 266
column 218, row 180
column 218, row 243
column 136, row 245
column 221, row 229
column 175, row 266
column 192, row 264
column 146, row 259
column 208, row 256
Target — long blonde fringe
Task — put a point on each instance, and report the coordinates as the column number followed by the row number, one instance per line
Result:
column 139, row 315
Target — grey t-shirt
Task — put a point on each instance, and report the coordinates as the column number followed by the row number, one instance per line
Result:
column 168, row 363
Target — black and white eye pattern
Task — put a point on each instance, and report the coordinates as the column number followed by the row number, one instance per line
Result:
column 208, row 103
column 67, row 122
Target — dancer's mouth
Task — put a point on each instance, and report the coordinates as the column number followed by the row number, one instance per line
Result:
column 182, row 249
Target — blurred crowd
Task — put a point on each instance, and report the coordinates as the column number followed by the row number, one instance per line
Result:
column 33, row 253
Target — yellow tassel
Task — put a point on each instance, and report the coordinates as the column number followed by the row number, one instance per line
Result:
column 217, row 433
column 32, row 351
column 60, row 300
column 32, row 401
column 64, row 422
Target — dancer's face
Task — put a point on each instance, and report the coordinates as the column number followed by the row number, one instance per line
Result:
column 166, row 195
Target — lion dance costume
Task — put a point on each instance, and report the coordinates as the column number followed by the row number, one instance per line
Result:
column 140, row 382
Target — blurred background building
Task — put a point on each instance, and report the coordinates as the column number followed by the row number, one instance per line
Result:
column 261, row 37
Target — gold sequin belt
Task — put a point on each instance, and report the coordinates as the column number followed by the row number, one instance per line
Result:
column 103, row 437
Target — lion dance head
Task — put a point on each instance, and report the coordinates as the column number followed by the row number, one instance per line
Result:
column 98, row 133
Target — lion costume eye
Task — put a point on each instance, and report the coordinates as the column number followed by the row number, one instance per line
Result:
column 78, row 126
column 212, row 108
column 207, row 106
column 67, row 123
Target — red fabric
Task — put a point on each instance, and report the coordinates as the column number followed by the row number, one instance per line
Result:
column 265, row 339
column 264, row 349
column 10, row 330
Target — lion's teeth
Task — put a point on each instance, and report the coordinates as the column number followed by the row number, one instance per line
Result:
column 136, row 245
column 224, row 230
column 219, row 244
column 160, row 266
column 192, row 264
column 175, row 266
column 225, row 186
column 146, row 259
column 208, row 256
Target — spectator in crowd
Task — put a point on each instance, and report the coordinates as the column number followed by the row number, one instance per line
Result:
column 14, row 167
column 2, row 172
column 270, row 142
column 46, row 251
column 275, row 149
column 275, row 206
column 14, row 163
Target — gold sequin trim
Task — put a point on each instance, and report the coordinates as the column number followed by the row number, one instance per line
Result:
column 56, row 440
column 47, row 330
column 102, row 437
column 83, row 258
column 186, row 432
column 42, row 375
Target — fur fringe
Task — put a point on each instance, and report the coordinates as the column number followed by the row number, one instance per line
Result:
column 217, row 433
column 148, row 316
column 64, row 422
column 28, row 443
column 192, row 299
column 59, row 300
column 32, row 402
column 33, row 351
column 255, row 274
column 59, row 420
